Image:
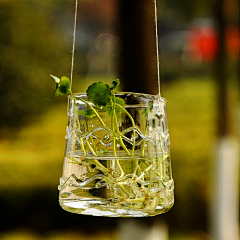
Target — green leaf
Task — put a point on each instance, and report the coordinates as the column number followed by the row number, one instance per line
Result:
column 57, row 80
column 86, row 113
column 114, row 84
column 64, row 86
column 145, row 112
column 149, row 108
column 99, row 93
column 118, row 110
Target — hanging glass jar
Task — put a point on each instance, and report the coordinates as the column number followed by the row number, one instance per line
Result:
column 117, row 159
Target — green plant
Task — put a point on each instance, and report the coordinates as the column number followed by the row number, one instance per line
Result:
column 135, row 187
column 103, row 97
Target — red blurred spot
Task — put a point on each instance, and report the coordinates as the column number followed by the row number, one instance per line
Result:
column 203, row 43
column 233, row 42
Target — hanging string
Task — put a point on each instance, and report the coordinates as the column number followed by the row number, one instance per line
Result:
column 74, row 42
column 157, row 48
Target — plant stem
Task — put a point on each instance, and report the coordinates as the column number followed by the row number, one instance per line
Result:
column 143, row 148
column 133, row 123
column 117, row 128
column 114, row 144
column 103, row 169
column 78, row 123
column 93, row 109
column 136, row 167
column 120, row 138
column 113, row 128
column 100, row 166
column 123, row 189
column 91, row 139
column 145, row 171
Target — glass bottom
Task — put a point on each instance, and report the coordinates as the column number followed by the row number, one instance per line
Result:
column 122, row 187
column 106, row 208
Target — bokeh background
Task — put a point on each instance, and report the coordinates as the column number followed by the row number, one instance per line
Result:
column 199, row 55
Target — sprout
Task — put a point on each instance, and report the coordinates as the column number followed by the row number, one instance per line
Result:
column 114, row 84
column 86, row 113
column 118, row 110
column 99, row 93
column 63, row 86
column 149, row 108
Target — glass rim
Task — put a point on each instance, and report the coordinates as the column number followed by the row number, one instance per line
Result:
column 144, row 95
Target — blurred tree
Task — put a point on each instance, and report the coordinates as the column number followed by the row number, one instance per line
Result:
column 190, row 9
column 225, row 183
column 137, row 60
column 31, row 49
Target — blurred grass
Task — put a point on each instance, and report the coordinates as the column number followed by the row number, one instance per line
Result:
column 34, row 157
column 191, row 107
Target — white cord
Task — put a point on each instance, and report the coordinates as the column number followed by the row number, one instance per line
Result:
column 157, row 47
column 74, row 42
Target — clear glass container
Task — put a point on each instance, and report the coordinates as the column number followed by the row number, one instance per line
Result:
column 117, row 164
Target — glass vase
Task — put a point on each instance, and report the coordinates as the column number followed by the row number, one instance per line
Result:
column 117, row 163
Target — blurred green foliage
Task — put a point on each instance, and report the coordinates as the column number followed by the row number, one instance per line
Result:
column 190, row 9
column 31, row 47
column 191, row 106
